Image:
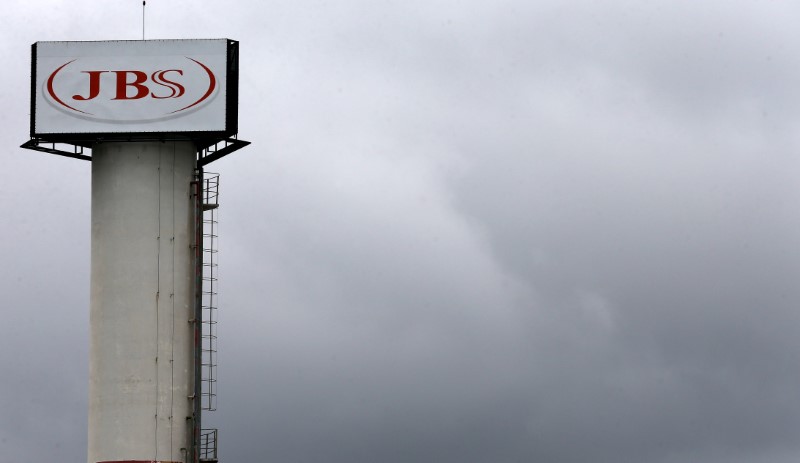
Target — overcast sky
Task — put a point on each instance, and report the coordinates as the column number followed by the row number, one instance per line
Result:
column 465, row 232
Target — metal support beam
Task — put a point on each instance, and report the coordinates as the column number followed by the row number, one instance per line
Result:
column 212, row 152
column 39, row 145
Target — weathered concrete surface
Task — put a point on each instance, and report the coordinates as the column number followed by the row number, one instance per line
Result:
column 142, row 300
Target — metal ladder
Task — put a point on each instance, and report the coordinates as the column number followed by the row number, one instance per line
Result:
column 209, row 331
column 208, row 343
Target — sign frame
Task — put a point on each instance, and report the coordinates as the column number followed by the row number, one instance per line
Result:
column 201, row 137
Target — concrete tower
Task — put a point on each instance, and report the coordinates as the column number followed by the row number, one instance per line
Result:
column 141, row 368
column 153, row 113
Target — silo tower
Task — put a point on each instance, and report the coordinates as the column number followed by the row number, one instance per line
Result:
column 149, row 115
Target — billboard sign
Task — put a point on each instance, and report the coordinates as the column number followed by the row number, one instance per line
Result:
column 144, row 88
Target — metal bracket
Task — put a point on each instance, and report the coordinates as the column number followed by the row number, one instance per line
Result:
column 205, row 155
column 37, row 144
column 213, row 152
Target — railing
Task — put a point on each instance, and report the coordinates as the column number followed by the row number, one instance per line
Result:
column 208, row 445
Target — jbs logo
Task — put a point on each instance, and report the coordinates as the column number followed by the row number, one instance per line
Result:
column 126, row 95
column 135, row 80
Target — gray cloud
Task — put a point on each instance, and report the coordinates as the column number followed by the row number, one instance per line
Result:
column 464, row 232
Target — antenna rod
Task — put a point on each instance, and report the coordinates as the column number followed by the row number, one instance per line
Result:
column 144, row 2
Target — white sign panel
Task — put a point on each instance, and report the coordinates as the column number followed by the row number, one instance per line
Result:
column 163, row 86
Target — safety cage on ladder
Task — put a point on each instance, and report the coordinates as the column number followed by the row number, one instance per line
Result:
column 209, row 291
column 206, row 439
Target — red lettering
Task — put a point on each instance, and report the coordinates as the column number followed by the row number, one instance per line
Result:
column 176, row 90
column 94, row 85
column 123, row 84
